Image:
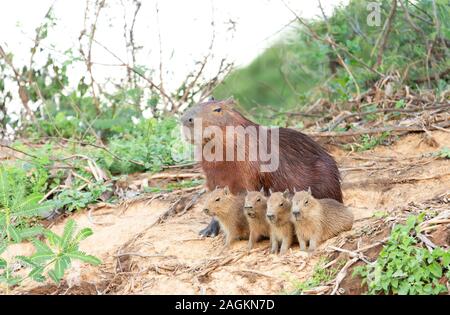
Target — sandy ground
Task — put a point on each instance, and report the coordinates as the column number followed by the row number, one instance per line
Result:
column 143, row 256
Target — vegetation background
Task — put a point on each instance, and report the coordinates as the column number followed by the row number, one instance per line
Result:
column 71, row 145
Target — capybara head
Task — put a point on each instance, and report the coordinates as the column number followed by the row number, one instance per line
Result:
column 304, row 205
column 218, row 202
column 278, row 207
column 255, row 204
column 211, row 113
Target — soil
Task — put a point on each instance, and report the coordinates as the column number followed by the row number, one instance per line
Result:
column 142, row 255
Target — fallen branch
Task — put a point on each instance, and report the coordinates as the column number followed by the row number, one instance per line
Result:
column 340, row 119
column 181, row 175
column 376, row 130
column 341, row 275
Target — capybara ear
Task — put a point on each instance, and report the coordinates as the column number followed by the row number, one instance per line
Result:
column 286, row 193
column 229, row 103
column 270, row 190
column 226, row 190
column 262, row 189
column 211, row 99
column 309, row 190
column 217, row 187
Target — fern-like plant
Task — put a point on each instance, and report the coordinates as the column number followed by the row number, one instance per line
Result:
column 54, row 253
column 15, row 207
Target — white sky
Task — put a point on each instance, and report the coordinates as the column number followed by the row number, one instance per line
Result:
column 185, row 31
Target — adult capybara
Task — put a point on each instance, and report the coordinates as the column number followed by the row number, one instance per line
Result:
column 302, row 162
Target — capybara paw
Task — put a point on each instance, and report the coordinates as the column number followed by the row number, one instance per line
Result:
column 211, row 230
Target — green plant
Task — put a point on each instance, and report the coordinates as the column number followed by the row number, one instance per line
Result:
column 16, row 207
column 443, row 153
column 404, row 266
column 369, row 142
column 75, row 199
column 55, row 255
column 320, row 276
column 187, row 183
column 149, row 145
column 299, row 68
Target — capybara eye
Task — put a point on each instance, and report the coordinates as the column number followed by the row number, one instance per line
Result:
column 258, row 200
column 218, row 109
column 281, row 204
column 306, row 202
column 218, row 199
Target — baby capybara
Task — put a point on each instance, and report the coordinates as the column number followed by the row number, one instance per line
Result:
column 317, row 220
column 255, row 208
column 228, row 209
column 278, row 216
column 303, row 163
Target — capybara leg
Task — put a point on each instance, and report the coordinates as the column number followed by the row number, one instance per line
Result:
column 252, row 240
column 211, row 230
column 313, row 244
column 229, row 237
column 302, row 244
column 274, row 243
column 285, row 245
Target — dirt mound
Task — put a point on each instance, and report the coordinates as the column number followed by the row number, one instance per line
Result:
column 151, row 245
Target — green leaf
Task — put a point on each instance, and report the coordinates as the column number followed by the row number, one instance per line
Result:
column 3, row 246
column 61, row 265
column 30, row 232
column 4, row 198
column 27, row 203
column 54, row 276
column 3, row 263
column 69, row 229
column 40, row 258
column 34, row 209
column 36, row 274
column 83, row 234
column 445, row 259
column 436, row 269
column 85, row 258
column 41, row 247
column 52, row 238
column 14, row 234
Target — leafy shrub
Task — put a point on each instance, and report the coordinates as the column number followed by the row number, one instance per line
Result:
column 404, row 266
column 16, row 207
column 149, row 144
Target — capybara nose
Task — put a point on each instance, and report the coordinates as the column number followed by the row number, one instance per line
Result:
column 206, row 211
column 248, row 207
column 187, row 121
column 296, row 213
column 270, row 216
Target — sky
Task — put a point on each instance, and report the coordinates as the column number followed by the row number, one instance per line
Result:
column 183, row 26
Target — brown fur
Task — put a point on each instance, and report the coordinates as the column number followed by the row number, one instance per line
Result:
column 255, row 208
column 317, row 220
column 281, row 228
column 303, row 162
column 228, row 209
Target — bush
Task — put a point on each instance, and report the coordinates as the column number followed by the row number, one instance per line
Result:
column 404, row 266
